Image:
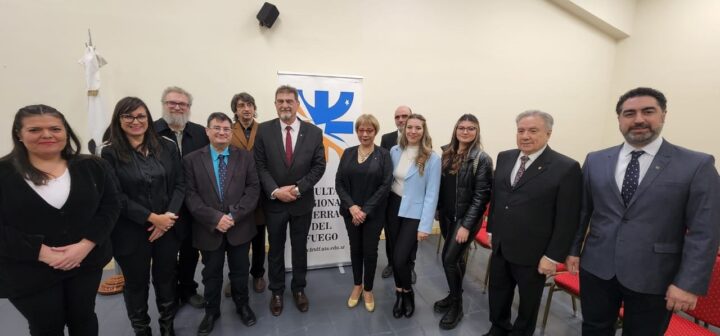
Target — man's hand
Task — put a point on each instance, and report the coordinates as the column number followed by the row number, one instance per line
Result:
column 225, row 223
column 679, row 300
column 422, row 236
column 573, row 264
column 546, row 266
column 462, row 235
column 489, row 239
column 286, row 194
column 72, row 255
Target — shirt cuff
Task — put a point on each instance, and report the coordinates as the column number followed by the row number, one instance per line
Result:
column 553, row 261
column 272, row 194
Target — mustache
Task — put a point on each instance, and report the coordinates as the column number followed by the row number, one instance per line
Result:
column 640, row 126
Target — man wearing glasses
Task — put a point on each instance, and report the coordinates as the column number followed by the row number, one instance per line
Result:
column 189, row 136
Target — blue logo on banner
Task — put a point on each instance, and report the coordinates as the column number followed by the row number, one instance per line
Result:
column 323, row 113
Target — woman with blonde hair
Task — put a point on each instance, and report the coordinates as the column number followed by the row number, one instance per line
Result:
column 411, row 204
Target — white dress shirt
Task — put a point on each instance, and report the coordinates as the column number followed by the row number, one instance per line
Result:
column 293, row 132
column 644, row 160
column 531, row 158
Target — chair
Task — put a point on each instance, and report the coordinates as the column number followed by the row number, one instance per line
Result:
column 680, row 326
column 483, row 240
column 707, row 310
column 567, row 282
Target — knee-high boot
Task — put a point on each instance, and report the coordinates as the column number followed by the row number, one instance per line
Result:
column 167, row 307
column 136, row 305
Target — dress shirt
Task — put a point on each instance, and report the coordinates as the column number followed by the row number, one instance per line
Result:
column 216, row 164
column 293, row 133
column 531, row 158
column 644, row 160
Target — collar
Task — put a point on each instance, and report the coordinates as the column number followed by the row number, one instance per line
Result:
column 214, row 154
column 532, row 157
column 295, row 125
column 252, row 123
column 651, row 148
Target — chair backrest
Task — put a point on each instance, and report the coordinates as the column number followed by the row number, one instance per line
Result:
column 708, row 306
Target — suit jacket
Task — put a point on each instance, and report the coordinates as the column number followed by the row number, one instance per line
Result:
column 306, row 169
column 668, row 233
column 374, row 184
column 240, row 192
column 27, row 221
column 389, row 140
column 539, row 215
column 420, row 192
column 131, row 227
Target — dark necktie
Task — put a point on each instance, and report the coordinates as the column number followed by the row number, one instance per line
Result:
column 288, row 145
column 222, row 172
column 523, row 160
column 632, row 176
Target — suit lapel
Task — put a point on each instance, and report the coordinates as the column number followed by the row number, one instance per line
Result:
column 253, row 133
column 279, row 140
column 537, row 167
column 657, row 165
column 505, row 169
column 208, row 164
column 239, row 134
column 232, row 163
column 611, row 166
column 300, row 140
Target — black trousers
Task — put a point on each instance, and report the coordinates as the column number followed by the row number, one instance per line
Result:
column 277, row 225
column 403, row 239
column 70, row 302
column 453, row 255
column 238, row 264
column 645, row 314
column 364, row 239
column 186, row 262
column 258, row 253
column 160, row 259
column 504, row 277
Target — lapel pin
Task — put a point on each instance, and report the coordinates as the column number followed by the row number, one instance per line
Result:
column 657, row 167
column 539, row 167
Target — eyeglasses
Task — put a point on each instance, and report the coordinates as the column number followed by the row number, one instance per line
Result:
column 470, row 129
column 171, row 103
column 219, row 129
column 130, row 119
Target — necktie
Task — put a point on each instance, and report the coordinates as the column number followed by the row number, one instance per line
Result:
column 222, row 172
column 523, row 160
column 288, row 145
column 632, row 176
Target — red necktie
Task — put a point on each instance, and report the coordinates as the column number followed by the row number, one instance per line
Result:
column 288, row 145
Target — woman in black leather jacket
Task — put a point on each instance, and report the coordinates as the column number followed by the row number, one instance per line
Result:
column 464, row 193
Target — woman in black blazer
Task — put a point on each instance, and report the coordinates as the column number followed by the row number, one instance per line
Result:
column 464, row 194
column 152, row 187
column 362, row 183
column 57, row 209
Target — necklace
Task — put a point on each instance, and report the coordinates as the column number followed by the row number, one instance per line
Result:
column 363, row 156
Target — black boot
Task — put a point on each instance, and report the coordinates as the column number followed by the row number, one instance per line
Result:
column 408, row 303
column 398, row 308
column 140, row 322
column 443, row 305
column 167, row 307
column 136, row 305
column 453, row 316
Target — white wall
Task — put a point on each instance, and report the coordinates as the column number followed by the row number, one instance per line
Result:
column 491, row 58
column 675, row 48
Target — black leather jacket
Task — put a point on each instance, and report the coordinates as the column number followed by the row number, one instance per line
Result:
column 472, row 193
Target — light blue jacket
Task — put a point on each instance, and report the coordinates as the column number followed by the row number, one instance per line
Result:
column 420, row 192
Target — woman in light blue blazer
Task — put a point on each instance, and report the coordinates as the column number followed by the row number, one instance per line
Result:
column 411, row 205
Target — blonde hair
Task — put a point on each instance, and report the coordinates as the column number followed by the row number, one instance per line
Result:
column 425, row 142
column 367, row 119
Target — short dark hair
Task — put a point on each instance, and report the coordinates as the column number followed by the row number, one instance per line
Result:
column 639, row 92
column 243, row 97
column 218, row 116
column 19, row 154
column 287, row 89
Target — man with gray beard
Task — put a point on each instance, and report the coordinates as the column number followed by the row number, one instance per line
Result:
column 189, row 136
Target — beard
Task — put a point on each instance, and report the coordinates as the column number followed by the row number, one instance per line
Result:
column 176, row 120
column 642, row 139
column 285, row 116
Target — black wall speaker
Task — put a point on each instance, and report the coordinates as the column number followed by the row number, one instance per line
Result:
column 267, row 14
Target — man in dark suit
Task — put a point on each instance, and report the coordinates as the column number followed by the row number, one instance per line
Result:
column 223, row 190
column 189, row 136
column 290, row 160
column 533, row 216
column 649, row 224
column 387, row 141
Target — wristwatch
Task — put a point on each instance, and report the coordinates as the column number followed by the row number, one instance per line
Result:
column 297, row 191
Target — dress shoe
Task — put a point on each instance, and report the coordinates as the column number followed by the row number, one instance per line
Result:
column 443, row 305
column 408, row 303
column 258, row 284
column 247, row 316
column 352, row 302
column 413, row 275
column 207, row 324
column 227, row 290
column 276, row 304
column 453, row 316
column 369, row 304
column 398, row 307
column 301, row 301
column 195, row 300
column 387, row 271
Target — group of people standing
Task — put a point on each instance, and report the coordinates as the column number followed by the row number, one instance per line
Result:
column 166, row 191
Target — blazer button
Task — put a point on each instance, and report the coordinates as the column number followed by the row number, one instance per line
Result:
column 507, row 207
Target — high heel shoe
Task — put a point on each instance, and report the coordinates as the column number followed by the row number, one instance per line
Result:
column 399, row 307
column 369, row 304
column 351, row 303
